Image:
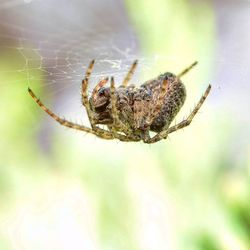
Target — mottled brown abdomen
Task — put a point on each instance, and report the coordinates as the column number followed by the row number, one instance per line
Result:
column 173, row 101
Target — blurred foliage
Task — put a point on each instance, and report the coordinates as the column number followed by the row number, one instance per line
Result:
column 207, row 242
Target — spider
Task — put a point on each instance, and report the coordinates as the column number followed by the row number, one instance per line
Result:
column 131, row 112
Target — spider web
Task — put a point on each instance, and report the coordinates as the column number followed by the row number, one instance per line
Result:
column 55, row 41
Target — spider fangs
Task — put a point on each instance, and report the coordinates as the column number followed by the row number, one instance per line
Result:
column 131, row 112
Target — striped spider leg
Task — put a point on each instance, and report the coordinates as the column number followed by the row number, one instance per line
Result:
column 167, row 130
column 130, row 113
column 164, row 133
column 101, row 133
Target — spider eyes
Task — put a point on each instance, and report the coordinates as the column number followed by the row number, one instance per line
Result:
column 102, row 92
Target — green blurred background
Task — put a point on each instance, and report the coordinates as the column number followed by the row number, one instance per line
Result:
column 61, row 189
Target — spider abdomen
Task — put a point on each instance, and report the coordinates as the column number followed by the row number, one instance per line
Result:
column 173, row 102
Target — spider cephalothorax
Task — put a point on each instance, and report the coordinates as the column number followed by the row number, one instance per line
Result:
column 100, row 105
column 130, row 112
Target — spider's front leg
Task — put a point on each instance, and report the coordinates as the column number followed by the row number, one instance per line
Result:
column 103, row 134
column 84, row 93
column 164, row 133
column 85, row 100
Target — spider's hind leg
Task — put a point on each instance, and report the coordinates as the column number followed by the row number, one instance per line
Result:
column 164, row 133
column 129, row 74
column 185, row 71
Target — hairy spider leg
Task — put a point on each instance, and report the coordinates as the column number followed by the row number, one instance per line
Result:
column 85, row 83
column 129, row 74
column 104, row 134
column 113, row 101
column 85, row 101
column 89, row 69
column 160, row 100
column 116, row 120
column 187, row 121
column 163, row 134
column 185, row 71
column 101, row 133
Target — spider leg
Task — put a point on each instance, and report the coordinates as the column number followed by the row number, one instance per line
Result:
column 84, row 93
column 187, row 69
column 145, row 136
column 99, row 132
column 164, row 133
column 116, row 121
column 129, row 74
column 85, row 100
column 89, row 69
column 85, row 83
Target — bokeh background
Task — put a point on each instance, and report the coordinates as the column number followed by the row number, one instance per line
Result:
column 63, row 189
